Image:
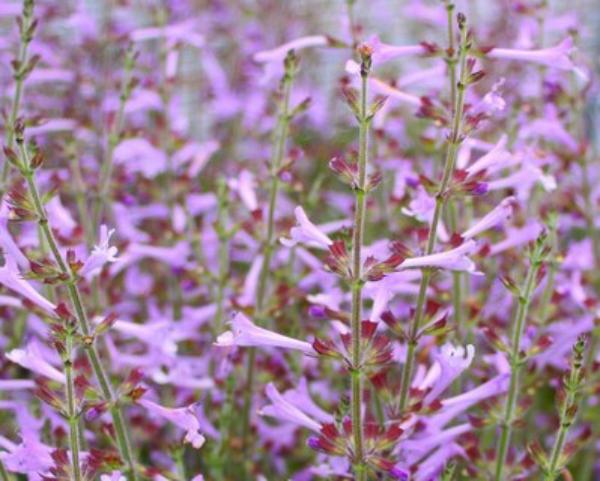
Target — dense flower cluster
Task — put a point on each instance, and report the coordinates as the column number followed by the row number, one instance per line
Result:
column 279, row 240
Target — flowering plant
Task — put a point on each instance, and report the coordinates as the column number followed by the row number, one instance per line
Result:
column 361, row 246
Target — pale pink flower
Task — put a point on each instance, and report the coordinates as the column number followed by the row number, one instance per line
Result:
column 10, row 278
column 32, row 358
column 138, row 155
column 184, row 417
column 16, row 384
column 300, row 397
column 273, row 59
column 60, row 217
column 278, row 54
column 282, row 409
column 495, row 159
column 449, row 364
column 383, row 88
column 523, row 179
column 455, row 259
column 306, row 232
column 499, row 214
column 245, row 185
column 248, row 296
column 114, row 476
column 383, row 52
column 30, row 457
column 245, row 333
column 422, row 207
column 51, row 126
column 517, row 237
column 103, row 253
column 558, row 56
column 185, row 32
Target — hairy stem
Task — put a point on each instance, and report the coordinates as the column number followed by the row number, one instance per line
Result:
column 27, row 29
column 440, row 201
column 114, row 136
column 280, row 137
column 568, row 410
column 72, row 415
column 358, row 231
column 516, row 363
column 223, row 236
column 80, row 313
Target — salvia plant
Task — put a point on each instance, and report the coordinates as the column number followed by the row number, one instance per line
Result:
column 271, row 240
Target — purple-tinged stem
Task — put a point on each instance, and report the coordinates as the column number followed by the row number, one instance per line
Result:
column 516, row 360
column 358, row 230
column 572, row 386
column 440, row 202
column 121, row 429
column 72, row 414
column 113, row 139
column 27, row 29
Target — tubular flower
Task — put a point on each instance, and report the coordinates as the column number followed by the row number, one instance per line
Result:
column 245, row 333
column 454, row 260
column 185, row 418
column 306, row 232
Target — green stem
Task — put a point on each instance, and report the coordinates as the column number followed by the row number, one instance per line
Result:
column 516, row 362
column 4, row 476
column 223, row 236
column 568, row 411
column 113, row 139
column 281, row 134
column 358, row 230
column 80, row 192
column 450, row 57
column 26, row 38
column 553, row 264
column 80, row 314
column 440, row 201
column 72, row 415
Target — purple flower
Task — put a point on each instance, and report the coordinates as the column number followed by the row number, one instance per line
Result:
column 247, row 334
column 383, row 52
column 558, row 56
column 30, row 457
column 422, row 207
column 245, row 186
column 455, row 259
column 449, row 364
column 11, row 279
column 495, row 159
column 185, row 32
column 185, row 418
column 102, row 254
column 283, row 410
column 114, row 476
column 273, row 59
column 33, row 359
column 497, row 215
column 306, row 232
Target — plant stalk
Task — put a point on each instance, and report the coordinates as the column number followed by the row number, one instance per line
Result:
column 72, row 415
column 80, row 314
column 516, row 363
column 358, row 231
column 280, row 137
column 440, row 201
column 26, row 37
